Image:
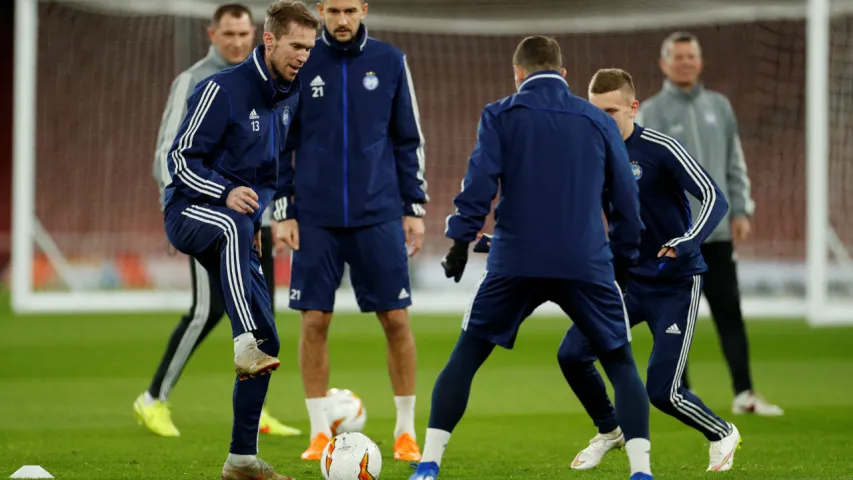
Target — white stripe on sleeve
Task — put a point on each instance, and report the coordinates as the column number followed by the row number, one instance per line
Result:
column 709, row 194
column 416, row 113
column 190, row 178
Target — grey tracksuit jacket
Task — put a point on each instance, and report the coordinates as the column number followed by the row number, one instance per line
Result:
column 176, row 110
column 704, row 122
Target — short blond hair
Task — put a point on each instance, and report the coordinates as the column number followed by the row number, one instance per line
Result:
column 283, row 14
column 611, row 79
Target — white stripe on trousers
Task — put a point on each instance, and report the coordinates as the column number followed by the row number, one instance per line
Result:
column 624, row 311
column 201, row 305
column 689, row 410
column 232, row 260
column 467, row 316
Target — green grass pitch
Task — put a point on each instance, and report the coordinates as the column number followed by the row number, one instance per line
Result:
column 67, row 384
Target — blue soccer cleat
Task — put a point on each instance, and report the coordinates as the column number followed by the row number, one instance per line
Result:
column 641, row 476
column 425, row 471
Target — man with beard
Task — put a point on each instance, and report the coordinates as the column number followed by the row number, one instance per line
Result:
column 357, row 191
column 224, row 167
column 231, row 35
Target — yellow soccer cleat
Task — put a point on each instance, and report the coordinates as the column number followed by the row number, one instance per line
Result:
column 156, row 417
column 270, row 426
column 406, row 448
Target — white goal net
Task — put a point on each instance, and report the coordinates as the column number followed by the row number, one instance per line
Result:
column 92, row 78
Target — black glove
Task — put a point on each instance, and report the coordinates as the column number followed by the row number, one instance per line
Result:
column 484, row 244
column 455, row 260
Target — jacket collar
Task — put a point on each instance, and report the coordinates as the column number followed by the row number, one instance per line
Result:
column 638, row 130
column 275, row 91
column 674, row 89
column 218, row 60
column 544, row 78
column 354, row 46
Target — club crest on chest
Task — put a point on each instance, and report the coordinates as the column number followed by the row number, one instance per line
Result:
column 371, row 81
column 637, row 170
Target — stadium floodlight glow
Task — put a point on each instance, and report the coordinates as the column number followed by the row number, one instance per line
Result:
column 91, row 79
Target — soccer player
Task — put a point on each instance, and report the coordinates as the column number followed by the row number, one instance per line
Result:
column 224, row 166
column 358, row 195
column 704, row 122
column 231, row 33
column 663, row 289
column 552, row 154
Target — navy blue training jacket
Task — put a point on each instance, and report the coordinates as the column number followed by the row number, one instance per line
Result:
column 359, row 147
column 665, row 171
column 233, row 135
column 556, row 158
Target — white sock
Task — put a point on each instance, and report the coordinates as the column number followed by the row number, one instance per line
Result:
column 241, row 460
column 317, row 415
column 241, row 342
column 436, row 442
column 147, row 399
column 405, row 416
column 638, row 455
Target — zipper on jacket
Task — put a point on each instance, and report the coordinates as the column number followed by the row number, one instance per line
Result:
column 699, row 154
column 346, row 142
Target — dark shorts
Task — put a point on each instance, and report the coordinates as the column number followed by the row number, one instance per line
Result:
column 378, row 262
column 501, row 304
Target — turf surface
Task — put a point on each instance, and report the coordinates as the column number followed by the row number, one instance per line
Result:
column 67, row 384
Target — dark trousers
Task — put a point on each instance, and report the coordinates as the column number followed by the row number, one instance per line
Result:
column 723, row 295
column 205, row 313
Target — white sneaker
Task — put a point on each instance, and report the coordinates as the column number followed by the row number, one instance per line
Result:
column 252, row 362
column 750, row 402
column 600, row 444
column 722, row 452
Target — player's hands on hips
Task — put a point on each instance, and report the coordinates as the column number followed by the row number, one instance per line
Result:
column 258, row 244
column 455, row 260
column 667, row 251
column 242, row 200
column 287, row 233
column 415, row 230
column 741, row 229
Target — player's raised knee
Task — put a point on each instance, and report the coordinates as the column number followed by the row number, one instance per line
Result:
column 245, row 228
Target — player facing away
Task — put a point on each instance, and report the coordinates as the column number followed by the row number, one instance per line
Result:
column 358, row 195
column 663, row 289
column 552, row 154
column 224, row 165
column 231, row 35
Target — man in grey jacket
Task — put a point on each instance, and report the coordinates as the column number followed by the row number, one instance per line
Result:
column 232, row 35
column 704, row 122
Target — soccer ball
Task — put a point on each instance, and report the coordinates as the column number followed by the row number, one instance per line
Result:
column 345, row 411
column 351, row 456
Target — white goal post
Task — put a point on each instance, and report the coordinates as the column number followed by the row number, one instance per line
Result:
column 823, row 274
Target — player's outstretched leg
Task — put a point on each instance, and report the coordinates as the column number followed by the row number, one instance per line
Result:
column 677, row 305
column 598, row 311
column 449, row 400
column 577, row 362
column 249, row 394
column 632, row 408
column 269, row 424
